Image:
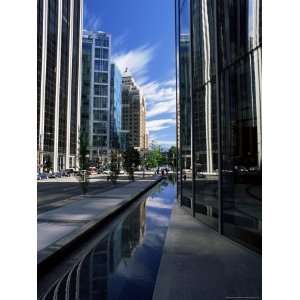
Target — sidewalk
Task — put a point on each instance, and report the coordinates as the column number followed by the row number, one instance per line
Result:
column 198, row 263
column 59, row 228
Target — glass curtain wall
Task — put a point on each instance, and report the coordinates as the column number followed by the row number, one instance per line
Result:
column 185, row 103
column 240, row 96
column 204, row 113
column 64, row 76
column 224, row 53
column 178, row 146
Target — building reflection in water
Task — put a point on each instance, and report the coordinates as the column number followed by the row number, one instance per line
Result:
column 219, row 46
column 124, row 264
column 114, row 250
column 90, row 278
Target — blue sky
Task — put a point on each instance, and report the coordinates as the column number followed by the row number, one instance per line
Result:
column 143, row 40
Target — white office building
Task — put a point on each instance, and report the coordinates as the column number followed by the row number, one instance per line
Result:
column 96, row 81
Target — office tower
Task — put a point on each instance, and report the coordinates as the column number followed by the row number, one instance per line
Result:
column 133, row 112
column 147, row 140
column 59, row 27
column 218, row 69
column 115, row 107
column 96, row 80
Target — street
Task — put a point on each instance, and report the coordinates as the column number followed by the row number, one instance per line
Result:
column 54, row 193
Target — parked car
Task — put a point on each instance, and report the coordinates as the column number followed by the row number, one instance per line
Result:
column 69, row 172
column 92, row 171
column 41, row 176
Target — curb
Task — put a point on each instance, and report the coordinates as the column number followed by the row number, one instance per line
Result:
column 56, row 251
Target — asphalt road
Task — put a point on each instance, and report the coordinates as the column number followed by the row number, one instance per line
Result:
column 54, row 194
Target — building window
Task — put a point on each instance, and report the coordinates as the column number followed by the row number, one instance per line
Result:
column 101, row 53
column 99, row 141
column 100, row 77
column 100, row 90
column 99, row 128
column 100, row 102
column 100, row 115
column 102, row 42
column 101, row 65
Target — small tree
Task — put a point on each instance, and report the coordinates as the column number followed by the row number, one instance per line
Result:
column 154, row 157
column 83, row 161
column 172, row 160
column 83, row 151
column 114, row 167
column 131, row 160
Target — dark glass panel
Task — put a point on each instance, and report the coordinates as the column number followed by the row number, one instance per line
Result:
column 86, row 85
column 241, row 149
column 185, row 104
column 40, row 7
column 205, row 114
column 74, row 88
column 51, row 77
column 240, row 28
column 64, row 65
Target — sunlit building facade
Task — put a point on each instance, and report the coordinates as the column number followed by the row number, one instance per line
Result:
column 96, row 91
column 218, row 68
column 133, row 113
column 59, row 30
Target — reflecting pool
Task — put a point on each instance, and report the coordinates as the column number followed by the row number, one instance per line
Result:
column 124, row 264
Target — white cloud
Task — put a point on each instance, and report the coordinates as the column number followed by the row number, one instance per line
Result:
column 159, row 91
column 156, row 125
column 137, row 61
column 160, row 97
column 118, row 41
column 161, row 107
column 91, row 22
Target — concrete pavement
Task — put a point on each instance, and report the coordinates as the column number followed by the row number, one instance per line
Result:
column 59, row 228
column 198, row 263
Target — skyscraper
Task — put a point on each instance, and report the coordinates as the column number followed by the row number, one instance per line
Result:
column 115, row 107
column 96, row 110
column 133, row 112
column 219, row 115
column 59, row 28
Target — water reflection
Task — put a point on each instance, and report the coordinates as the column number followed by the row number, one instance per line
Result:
column 125, row 263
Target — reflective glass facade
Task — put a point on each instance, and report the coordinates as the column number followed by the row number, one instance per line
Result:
column 96, row 91
column 221, row 73
column 115, row 107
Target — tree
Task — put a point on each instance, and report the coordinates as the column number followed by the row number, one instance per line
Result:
column 83, row 161
column 83, row 150
column 131, row 160
column 114, row 167
column 172, row 158
column 154, row 157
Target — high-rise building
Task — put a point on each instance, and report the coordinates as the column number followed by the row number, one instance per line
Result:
column 96, row 100
column 218, row 68
column 115, row 107
column 59, row 28
column 133, row 112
